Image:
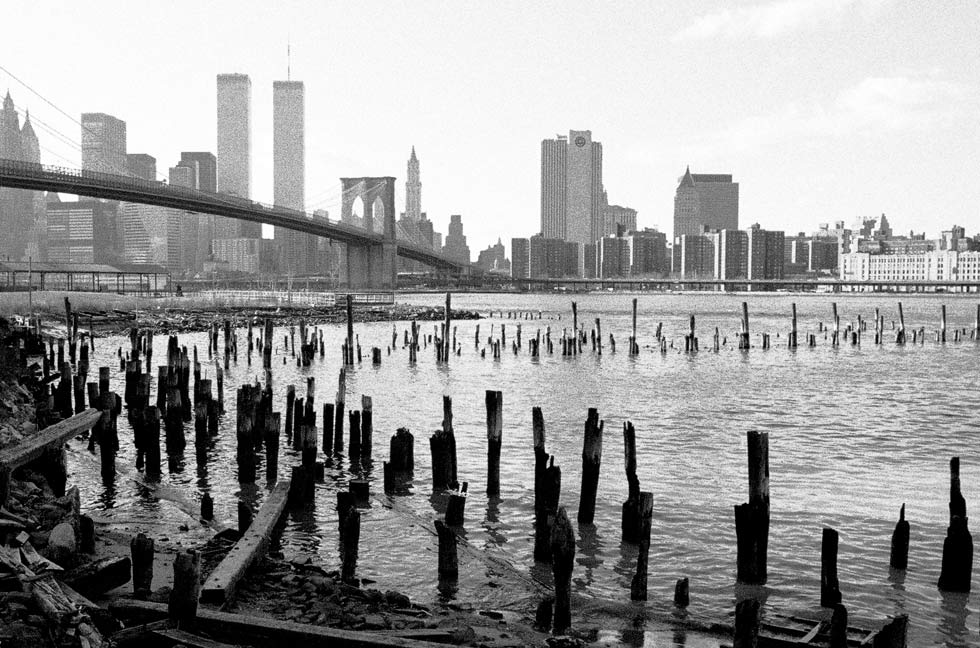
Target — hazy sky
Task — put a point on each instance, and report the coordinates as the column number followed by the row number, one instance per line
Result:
column 823, row 110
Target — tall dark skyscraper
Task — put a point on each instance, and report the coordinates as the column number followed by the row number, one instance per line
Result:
column 705, row 202
column 571, row 189
column 289, row 172
column 235, row 150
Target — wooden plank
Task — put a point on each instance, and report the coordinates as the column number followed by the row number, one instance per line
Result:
column 252, row 630
column 184, row 638
column 220, row 586
column 30, row 449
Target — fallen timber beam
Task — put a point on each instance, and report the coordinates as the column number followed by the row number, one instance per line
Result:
column 236, row 628
column 50, row 438
column 220, row 586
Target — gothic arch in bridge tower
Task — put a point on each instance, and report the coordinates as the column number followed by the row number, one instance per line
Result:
column 378, row 197
column 370, row 266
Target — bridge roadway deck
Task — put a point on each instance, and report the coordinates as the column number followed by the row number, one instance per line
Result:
column 36, row 177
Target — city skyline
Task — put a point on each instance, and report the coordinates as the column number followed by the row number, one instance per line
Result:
column 866, row 109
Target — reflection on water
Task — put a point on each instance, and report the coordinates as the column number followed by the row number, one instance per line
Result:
column 854, row 432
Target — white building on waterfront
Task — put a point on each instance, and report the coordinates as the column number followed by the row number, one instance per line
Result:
column 939, row 265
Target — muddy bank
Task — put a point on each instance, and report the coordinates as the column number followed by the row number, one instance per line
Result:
column 178, row 320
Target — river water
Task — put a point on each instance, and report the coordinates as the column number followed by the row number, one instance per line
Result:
column 854, row 433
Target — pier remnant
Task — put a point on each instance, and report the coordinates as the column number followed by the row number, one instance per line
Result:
column 752, row 518
column 591, row 460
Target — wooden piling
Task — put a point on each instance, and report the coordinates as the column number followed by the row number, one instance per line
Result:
column 354, row 443
column 448, row 561
column 638, row 587
column 829, row 584
column 402, row 451
column 456, row 506
column 350, row 536
column 290, row 403
column 752, row 518
column 562, row 544
column 682, row 593
column 338, row 421
column 900, row 543
column 367, row 428
column 349, row 359
column 746, row 624
column 631, row 516
column 141, row 552
column 591, row 460
column 838, row 627
column 793, row 332
column 328, row 421
column 182, row 608
column 272, row 424
column 900, row 336
column 495, row 405
column 744, row 341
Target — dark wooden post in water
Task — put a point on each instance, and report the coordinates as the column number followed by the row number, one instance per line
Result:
column 549, row 480
column 744, row 341
column 367, row 428
column 349, row 356
column 752, row 518
column 900, row 336
column 632, row 522
column 957, row 564
column 338, row 421
column 182, row 608
column 591, row 460
column 900, row 543
column 746, row 624
column 448, row 562
column 456, row 506
column 835, row 336
column 272, row 423
column 350, row 536
column 634, row 344
column 638, row 588
column 495, row 406
column 792, row 333
column 402, row 451
column 829, row 585
column 328, row 419
column 562, row 543
column 942, row 323
column 290, row 403
column 446, row 349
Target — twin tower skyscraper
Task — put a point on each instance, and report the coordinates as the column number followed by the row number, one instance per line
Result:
column 296, row 250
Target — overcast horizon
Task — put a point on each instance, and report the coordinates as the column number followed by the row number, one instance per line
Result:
column 822, row 110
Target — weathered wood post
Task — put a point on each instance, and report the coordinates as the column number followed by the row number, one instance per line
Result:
column 245, row 449
column 402, row 451
column 456, row 506
column 631, row 517
column 272, row 424
column 328, row 420
column 634, row 343
column 349, row 360
column 838, row 627
column 354, row 445
column 207, row 507
column 835, row 336
column 290, row 403
column 495, row 406
column 338, row 421
column 448, row 562
column 829, row 584
column 367, row 428
column 744, row 341
column 445, row 336
column 900, row 336
column 752, row 518
column 957, row 562
column 562, row 543
column 575, row 328
column 792, row 333
column 900, row 542
column 141, row 551
column 682, row 593
column 638, row 587
column 591, row 460
column 182, row 608
column 746, row 624
column 942, row 323
column 350, row 537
